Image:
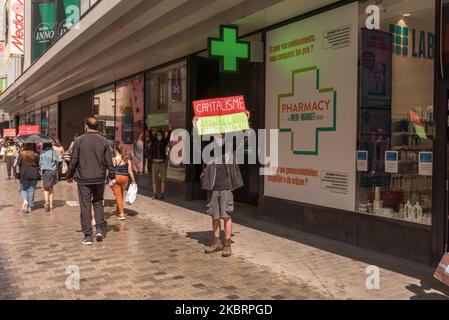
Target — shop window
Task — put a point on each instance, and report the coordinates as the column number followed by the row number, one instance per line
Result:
column 45, row 117
column 396, row 128
column 129, row 128
column 49, row 120
column 104, row 110
column 166, row 110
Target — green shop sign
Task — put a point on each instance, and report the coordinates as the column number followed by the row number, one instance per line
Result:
column 50, row 20
column 229, row 49
column 410, row 42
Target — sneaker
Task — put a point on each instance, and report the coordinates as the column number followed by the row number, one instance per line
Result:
column 24, row 207
column 29, row 210
column 227, row 251
column 216, row 246
column 87, row 240
column 155, row 196
column 161, row 196
column 93, row 223
column 121, row 217
column 99, row 236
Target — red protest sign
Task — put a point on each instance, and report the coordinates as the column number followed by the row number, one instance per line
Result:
column 27, row 130
column 10, row 133
column 219, row 106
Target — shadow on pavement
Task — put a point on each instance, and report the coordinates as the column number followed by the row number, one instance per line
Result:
column 246, row 215
column 56, row 204
column 7, row 290
column 421, row 294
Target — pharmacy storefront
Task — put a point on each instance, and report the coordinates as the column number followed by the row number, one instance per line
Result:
column 362, row 121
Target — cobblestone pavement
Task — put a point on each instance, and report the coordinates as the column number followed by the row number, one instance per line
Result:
column 139, row 259
column 157, row 253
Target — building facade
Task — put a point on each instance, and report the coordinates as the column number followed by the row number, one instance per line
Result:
column 361, row 113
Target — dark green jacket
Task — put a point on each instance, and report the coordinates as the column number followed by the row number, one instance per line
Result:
column 209, row 174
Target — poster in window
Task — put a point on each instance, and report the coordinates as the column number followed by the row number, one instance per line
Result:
column 129, row 119
column 376, row 69
column 311, row 98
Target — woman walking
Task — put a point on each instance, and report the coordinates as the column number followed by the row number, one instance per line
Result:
column 123, row 172
column 10, row 156
column 59, row 149
column 49, row 166
column 29, row 175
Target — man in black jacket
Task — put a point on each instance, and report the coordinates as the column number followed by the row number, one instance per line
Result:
column 91, row 159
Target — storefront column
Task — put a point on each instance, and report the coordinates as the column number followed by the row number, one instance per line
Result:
column 440, row 167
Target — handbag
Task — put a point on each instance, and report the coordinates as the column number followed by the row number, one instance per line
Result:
column 442, row 272
column 131, row 195
column 65, row 167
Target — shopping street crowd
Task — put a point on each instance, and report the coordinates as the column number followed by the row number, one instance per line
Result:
column 94, row 164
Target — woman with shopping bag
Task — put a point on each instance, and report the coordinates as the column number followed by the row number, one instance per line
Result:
column 123, row 173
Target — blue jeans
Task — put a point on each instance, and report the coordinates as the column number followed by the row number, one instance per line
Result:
column 27, row 190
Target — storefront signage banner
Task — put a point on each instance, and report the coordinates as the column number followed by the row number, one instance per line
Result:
column 2, row 23
column 311, row 98
column 221, row 115
column 17, row 26
column 10, row 133
column 27, row 130
column 51, row 20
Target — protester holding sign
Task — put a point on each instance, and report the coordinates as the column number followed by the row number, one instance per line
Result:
column 220, row 178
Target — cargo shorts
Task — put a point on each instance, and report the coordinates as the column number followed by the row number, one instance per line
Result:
column 220, row 204
column 159, row 170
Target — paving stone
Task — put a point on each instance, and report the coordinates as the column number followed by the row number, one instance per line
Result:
column 159, row 254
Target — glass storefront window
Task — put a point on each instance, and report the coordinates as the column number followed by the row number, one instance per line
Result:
column 396, row 113
column 104, row 110
column 45, row 116
column 166, row 109
column 49, row 120
column 129, row 128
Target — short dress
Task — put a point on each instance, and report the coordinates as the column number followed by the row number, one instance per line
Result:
column 49, row 178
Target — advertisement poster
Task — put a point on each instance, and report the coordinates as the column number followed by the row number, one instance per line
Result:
column 221, row 115
column 129, row 124
column 311, row 97
column 53, row 121
column 376, row 69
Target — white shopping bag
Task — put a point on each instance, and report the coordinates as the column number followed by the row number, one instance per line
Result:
column 65, row 167
column 131, row 195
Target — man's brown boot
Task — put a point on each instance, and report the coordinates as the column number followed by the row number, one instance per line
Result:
column 216, row 246
column 227, row 251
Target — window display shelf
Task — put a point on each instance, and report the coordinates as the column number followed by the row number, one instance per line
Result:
column 412, row 148
column 395, row 216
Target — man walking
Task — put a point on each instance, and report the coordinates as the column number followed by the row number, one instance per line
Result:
column 90, row 159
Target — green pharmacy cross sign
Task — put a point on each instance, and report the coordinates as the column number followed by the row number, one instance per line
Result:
column 229, row 49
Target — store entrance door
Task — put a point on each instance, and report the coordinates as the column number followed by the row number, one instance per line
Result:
column 210, row 83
